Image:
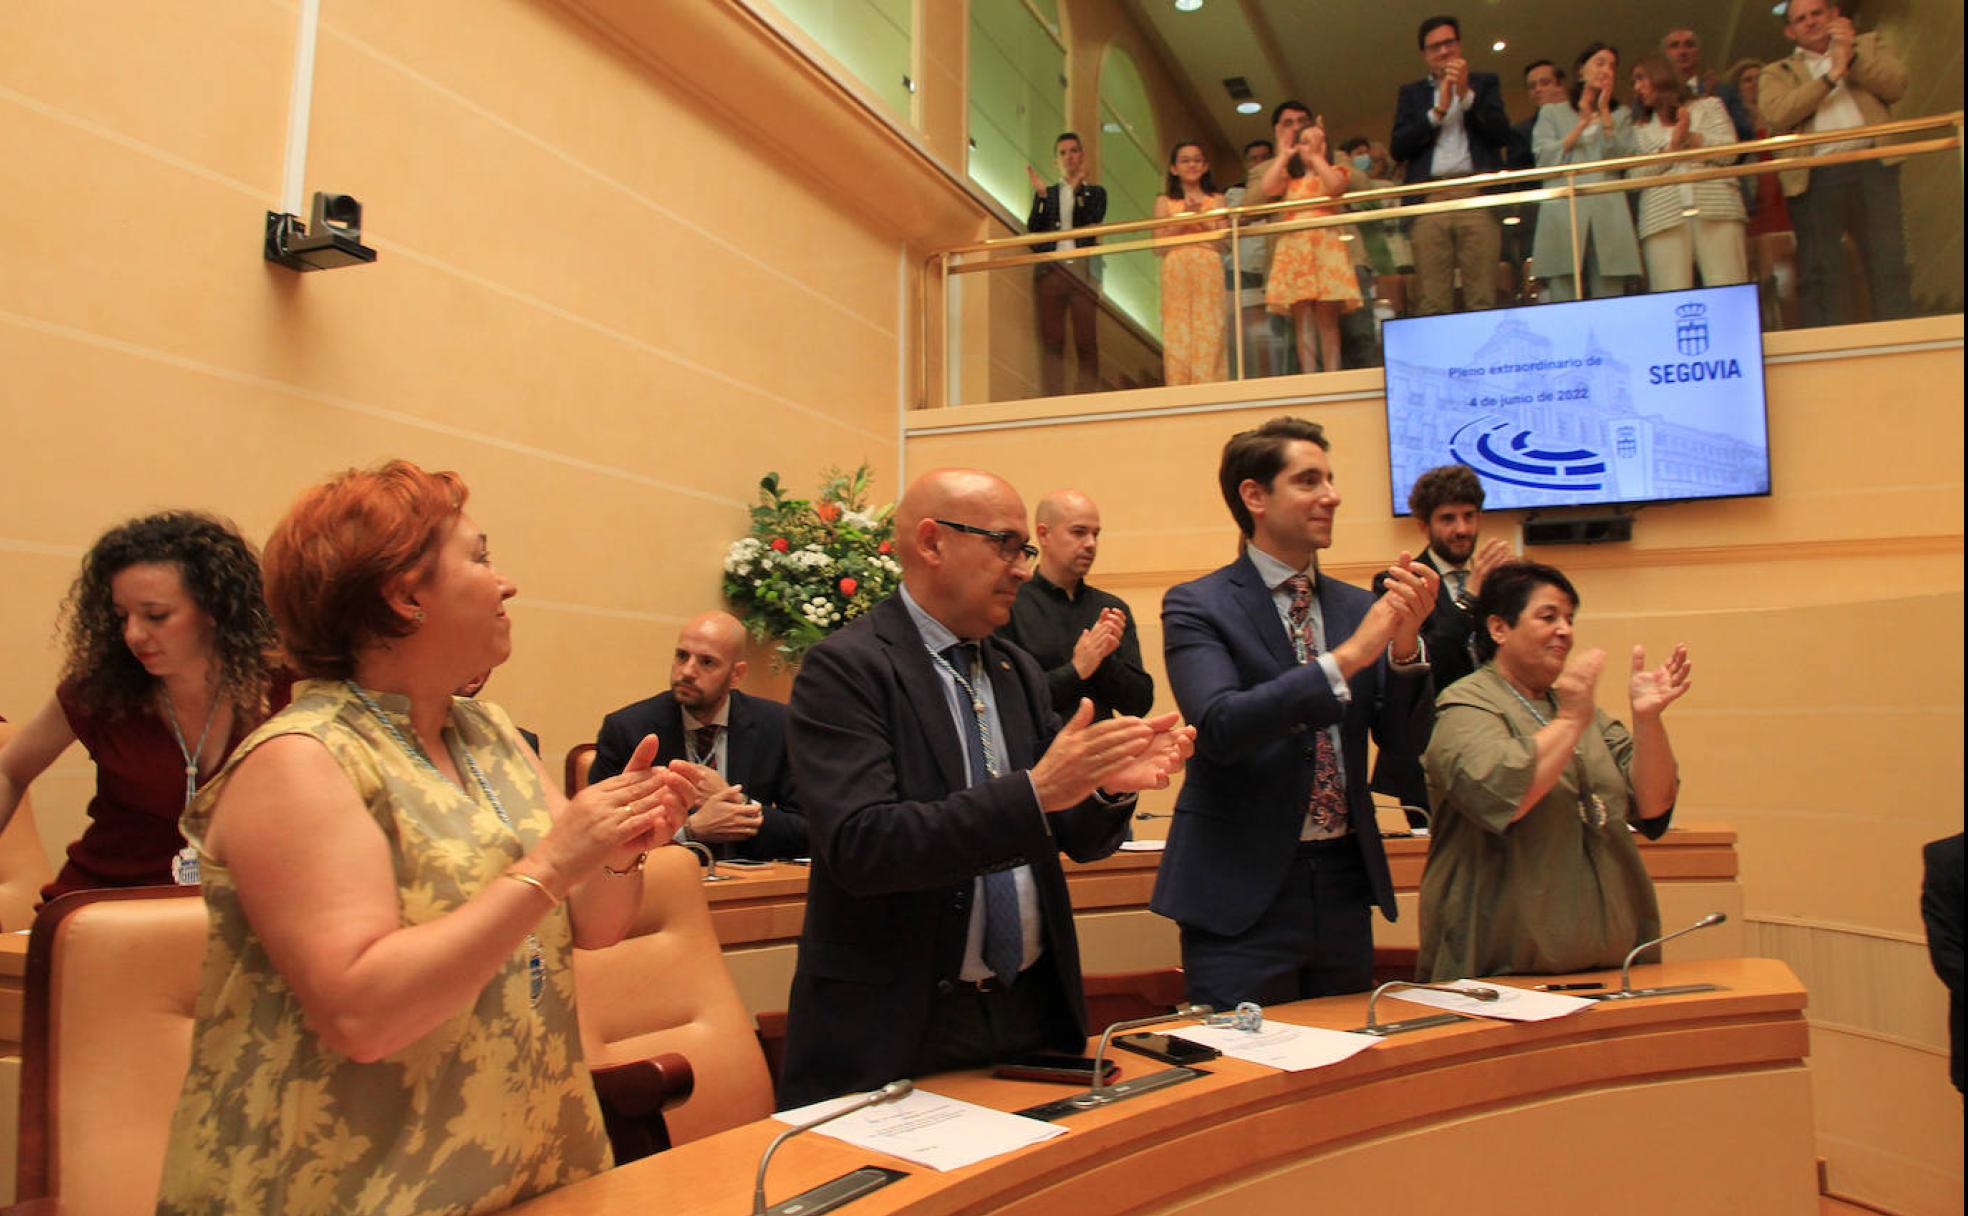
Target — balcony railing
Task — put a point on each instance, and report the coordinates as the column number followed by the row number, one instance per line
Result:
column 1510, row 192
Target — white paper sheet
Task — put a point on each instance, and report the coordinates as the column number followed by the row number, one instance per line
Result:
column 928, row 1129
column 1280, row 1044
column 1142, row 846
column 1511, row 1005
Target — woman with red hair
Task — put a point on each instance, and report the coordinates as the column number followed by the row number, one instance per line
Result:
column 386, row 1021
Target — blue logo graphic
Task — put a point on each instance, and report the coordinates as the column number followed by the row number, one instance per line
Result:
column 1691, row 329
column 1490, row 446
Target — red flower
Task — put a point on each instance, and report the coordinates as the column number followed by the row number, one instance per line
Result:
column 883, row 547
column 828, row 512
column 847, row 586
column 779, row 544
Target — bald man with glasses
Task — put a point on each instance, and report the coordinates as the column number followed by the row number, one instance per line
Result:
column 940, row 789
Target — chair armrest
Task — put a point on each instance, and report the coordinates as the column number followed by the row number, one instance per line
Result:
column 640, row 1088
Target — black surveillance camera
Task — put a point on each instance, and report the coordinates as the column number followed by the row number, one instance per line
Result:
column 333, row 237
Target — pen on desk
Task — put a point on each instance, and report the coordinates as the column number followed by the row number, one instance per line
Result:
column 1568, row 987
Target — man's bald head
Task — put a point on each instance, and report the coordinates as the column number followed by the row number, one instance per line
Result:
column 1060, row 503
column 1067, row 529
column 709, row 659
column 962, row 579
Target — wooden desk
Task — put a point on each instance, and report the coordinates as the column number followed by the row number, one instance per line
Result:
column 758, row 913
column 1687, row 1104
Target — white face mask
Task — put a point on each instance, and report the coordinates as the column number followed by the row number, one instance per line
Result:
column 1363, row 162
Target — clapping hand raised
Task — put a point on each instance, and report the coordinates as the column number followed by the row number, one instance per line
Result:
column 1653, row 691
column 1576, row 685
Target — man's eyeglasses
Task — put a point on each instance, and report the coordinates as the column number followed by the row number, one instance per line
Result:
column 1011, row 546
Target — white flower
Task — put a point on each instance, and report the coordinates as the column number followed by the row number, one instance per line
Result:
column 860, row 519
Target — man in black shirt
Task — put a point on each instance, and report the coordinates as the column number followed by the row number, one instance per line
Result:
column 1082, row 636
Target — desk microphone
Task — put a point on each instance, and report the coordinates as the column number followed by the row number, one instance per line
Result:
column 1627, row 991
column 1381, row 1030
column 887, row 1093
column 1099, row 1094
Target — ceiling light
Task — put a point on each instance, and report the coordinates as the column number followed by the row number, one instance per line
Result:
column 1512, row 219
column 1187, row 6
column 1498, row 45
column 1250, row 107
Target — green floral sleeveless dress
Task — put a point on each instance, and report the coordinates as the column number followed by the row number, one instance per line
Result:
column 493, row 1106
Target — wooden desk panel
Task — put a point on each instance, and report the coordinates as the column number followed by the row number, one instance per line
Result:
column 1466, row 1117
column 764, row 907
column 768, row 904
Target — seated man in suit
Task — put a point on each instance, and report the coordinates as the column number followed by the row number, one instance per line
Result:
column 1274, row 860
column 737, row 744
column 941, row 788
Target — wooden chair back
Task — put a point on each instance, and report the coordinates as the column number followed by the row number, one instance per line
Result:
column 112, row 979
column 665, row 989
column 580, row 758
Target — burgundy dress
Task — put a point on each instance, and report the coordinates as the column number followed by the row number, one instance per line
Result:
column 140, row 793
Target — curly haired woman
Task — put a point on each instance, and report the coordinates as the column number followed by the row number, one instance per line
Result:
column 168, row 641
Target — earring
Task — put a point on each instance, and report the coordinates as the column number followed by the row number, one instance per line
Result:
column 418, row 616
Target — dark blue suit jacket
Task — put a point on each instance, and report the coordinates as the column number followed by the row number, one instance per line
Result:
column 897, row 839
column 1486, row 123
column 754, row 755
column 1236, row 677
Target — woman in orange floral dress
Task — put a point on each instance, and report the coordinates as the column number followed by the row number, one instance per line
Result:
column 1311, row 279
column 1194, row 300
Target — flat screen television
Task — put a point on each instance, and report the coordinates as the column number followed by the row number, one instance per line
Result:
column 1635, row 399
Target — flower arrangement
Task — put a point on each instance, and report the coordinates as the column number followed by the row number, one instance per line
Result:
column 810, row 566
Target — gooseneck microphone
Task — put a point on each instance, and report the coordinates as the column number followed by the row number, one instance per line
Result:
column 709, row 858
column 1153, row 815
column 887, row 1093
column 1627, row 991
column 1374, row 1026
column 1099, row 1094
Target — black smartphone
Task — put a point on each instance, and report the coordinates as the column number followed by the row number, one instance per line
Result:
column 743, row 863
column 1070, row 1070
column 1167, row 1048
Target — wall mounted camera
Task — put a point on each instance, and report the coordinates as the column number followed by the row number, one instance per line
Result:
column 333, row 237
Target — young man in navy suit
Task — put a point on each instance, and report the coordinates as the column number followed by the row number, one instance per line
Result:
column 1274, row 861
column 737, row 744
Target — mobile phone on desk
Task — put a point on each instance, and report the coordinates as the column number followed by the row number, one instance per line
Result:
column 1167, row 1048
column 743, row 863
column 1069, row 1070
column 1580, row 987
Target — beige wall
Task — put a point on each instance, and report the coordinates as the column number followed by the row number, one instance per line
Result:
column 604, row 304
column 617, row 284
column 1826, row 721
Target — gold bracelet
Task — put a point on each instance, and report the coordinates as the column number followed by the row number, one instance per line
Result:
column 634, row 867
column 535, row 883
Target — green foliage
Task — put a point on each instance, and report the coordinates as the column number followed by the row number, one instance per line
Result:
column 810, row 566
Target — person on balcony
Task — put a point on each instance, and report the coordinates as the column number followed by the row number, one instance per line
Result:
column 1312, row 279
column 1592, row 126
column 1067, row 288
column 1700, row 223
column 1193, row 298
column 1449, row 125
column 1835, row 79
